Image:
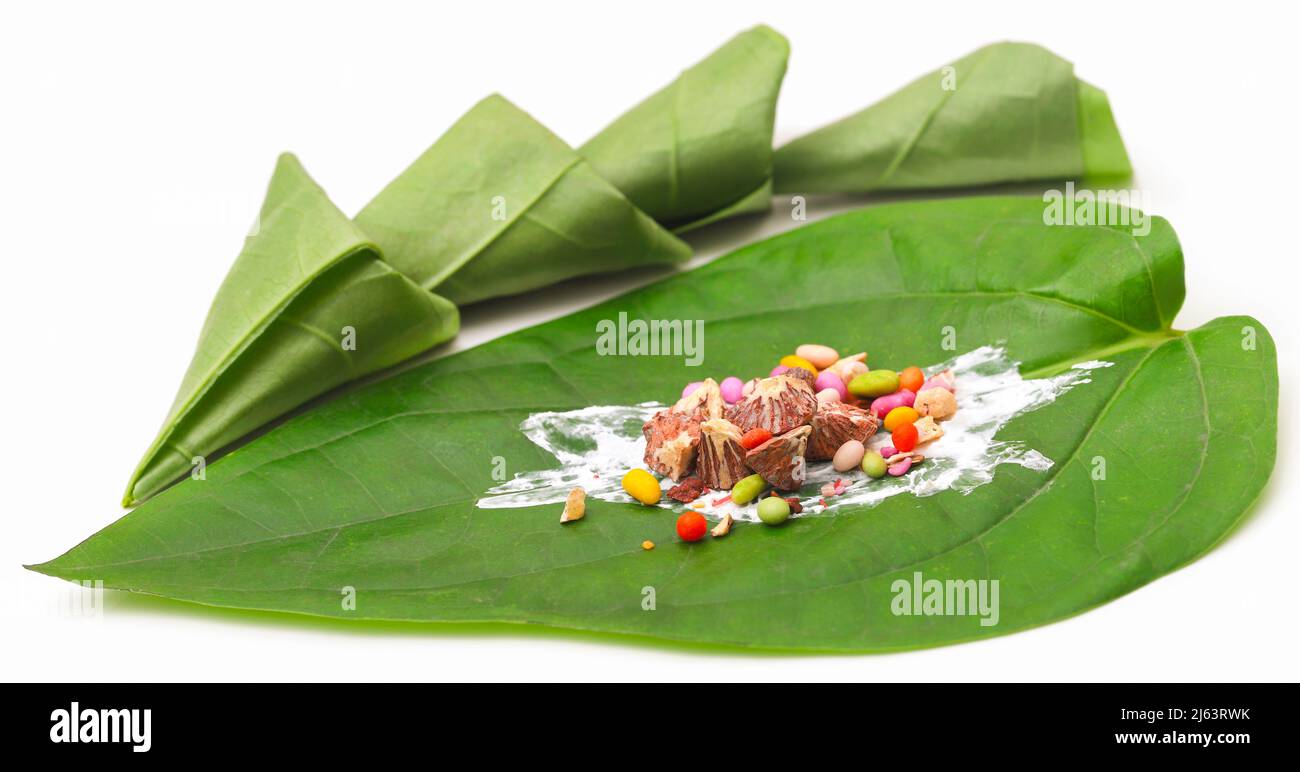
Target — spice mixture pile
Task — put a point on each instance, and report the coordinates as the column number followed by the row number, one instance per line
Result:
column 735, row 440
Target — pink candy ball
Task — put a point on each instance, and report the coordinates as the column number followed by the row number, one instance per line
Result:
column 900, row 469
column 732, row 389
column 828, row 380
column 686, row 392
column 880, row 406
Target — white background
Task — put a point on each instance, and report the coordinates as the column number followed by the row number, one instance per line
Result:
column 136, row 141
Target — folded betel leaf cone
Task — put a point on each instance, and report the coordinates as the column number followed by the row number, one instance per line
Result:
column 1104, row 158
column 1009, row 112
column 499, row 205
column 308, row 305
column 700, row 149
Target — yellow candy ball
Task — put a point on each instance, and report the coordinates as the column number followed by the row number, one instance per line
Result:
column 794, row 360
column 642, row 486
column 899, row 416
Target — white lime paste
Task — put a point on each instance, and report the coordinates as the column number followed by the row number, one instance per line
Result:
column 597, row 445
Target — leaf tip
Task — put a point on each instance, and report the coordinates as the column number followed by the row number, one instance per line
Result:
column 46, row 568
column 772, row 34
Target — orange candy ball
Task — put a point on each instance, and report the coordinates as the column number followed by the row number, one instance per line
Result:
column 904, row 438
column 692, row 526
column 911, row 379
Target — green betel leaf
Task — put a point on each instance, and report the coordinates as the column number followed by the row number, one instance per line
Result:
column 308, row 305
column 377, row 491
column 700, row 149
column 1009, row 112
column 499, row 205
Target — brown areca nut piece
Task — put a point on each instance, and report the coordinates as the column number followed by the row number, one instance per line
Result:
column 705, row 402
column 780, row 460
column 672, row 440
column 779, row 404
column 834, row 424
column 721, row 460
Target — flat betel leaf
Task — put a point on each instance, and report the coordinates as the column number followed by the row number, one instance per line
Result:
column 377, row 490
column 499, row 205
column 1008, row 112
column 308, row 305
column 700, row 149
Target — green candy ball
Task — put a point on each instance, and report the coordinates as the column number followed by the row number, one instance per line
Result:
column 773, row 510
column 874, row 465
column 875, row 383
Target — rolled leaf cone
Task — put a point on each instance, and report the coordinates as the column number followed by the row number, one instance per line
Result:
column 499, row 206
column 1009, row 112
column 700, row 149
column 308, row 305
